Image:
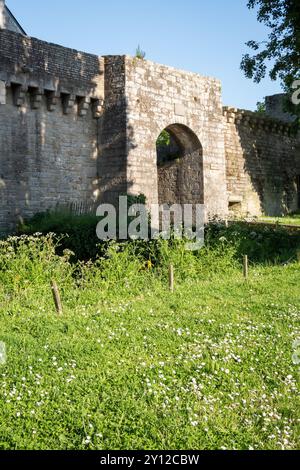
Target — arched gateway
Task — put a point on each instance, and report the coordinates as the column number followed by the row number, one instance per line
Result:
column 179, row 166
column 175, row 137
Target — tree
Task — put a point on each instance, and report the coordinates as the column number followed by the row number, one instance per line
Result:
column 280, row 54
column 164, row 139
column 261, row 107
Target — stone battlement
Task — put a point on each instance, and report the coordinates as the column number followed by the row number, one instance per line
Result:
column 30, row 62
column 258, row 120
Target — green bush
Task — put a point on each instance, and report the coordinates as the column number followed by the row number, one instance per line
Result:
column 261, row 243
column 31, row 261
column 76, row 233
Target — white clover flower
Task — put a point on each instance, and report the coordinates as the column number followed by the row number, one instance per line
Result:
column 296, row 344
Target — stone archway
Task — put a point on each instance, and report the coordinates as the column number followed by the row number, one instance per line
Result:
column 179, row 166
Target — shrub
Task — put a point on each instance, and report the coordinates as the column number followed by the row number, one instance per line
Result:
column 224, row 245
column 29, row 261
column 75, row 232
column 261, row 243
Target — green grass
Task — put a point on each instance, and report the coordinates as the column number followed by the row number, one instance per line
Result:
column 131, row 366
column 287, row 220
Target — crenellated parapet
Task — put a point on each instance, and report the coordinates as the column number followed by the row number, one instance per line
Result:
column 254, row 120
column 38, row 73
column 262, row 163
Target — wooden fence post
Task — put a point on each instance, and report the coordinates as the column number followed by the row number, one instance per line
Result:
column 246, row 267
column 171, row 277
column 56, row 298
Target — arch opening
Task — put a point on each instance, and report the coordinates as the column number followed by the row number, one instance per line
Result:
column 179, row 166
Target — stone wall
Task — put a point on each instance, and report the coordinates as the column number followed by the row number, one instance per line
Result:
column 158, row 97
column 50, row 101
column 29, row 61
column 112, row 133
column 263, row 162
column 75, row 127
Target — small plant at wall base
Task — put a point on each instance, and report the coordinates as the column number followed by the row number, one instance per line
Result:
column 135, row 199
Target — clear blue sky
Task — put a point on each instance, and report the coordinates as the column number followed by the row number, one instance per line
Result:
column 203, row 36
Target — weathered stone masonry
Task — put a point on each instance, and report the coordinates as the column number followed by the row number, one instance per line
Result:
column 262, row 164
column 51, row 98
column 77, row 128
column 190, row 106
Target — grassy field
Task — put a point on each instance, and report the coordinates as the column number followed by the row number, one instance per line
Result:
column 130, row 365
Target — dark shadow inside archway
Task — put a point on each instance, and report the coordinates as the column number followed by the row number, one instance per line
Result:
column 180, row 166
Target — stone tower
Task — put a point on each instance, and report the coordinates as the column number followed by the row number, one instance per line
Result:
column 8, row 21
column 2, row 6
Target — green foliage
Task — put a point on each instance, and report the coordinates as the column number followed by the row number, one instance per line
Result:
column 78, row 231
column 132, row 199
column 281, row 50
column 261, row 107
column 77, row 234
column 164, row 139
column 263, row 244
column 167, row 148
column 140, row 54
column 283, row 45
column 32, row 261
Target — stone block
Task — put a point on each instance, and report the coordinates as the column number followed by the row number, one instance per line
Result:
column 2, row 93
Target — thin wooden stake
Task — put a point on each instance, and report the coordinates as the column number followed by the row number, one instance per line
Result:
column 56, row 298
column 171, row 277
column 246, row 267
